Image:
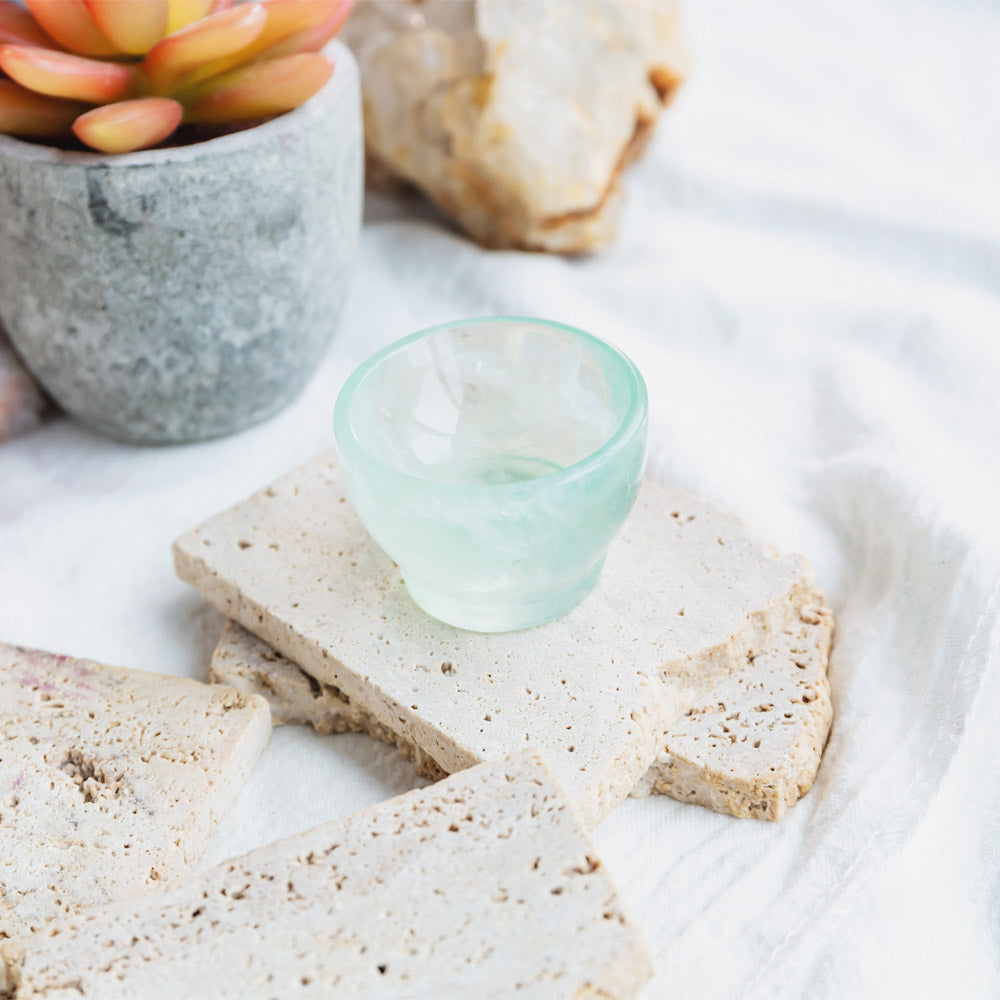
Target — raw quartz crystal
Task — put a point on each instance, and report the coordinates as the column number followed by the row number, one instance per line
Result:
column 22, row 404
column 516, row 117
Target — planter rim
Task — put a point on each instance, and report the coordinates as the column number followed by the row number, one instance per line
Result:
column 230, row 143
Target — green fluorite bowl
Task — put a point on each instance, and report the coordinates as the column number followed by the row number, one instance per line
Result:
column 494, row 460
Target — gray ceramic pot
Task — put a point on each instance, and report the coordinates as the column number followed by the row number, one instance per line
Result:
column 177, row 294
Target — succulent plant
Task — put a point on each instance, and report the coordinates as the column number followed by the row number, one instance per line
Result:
column 124, row 74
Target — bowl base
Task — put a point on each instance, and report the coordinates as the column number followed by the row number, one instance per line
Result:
column 501, row 613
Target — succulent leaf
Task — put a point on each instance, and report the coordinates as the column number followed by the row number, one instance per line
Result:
column 286, row 19
column 213, row 61
column 129, row 125
column 210, row 38
column 70, row 24
column 133, row 26
column 264, row 88
column 314, row 37
column 25, row 113
column 180, row 13
column 61, row 74
column 18, row 27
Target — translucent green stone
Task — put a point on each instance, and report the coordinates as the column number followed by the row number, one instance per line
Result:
column 494, row 460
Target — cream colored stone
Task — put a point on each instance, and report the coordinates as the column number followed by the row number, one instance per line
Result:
column 685, row 594
column 249, row 664
column 751, row 747
column 483, row 885
column 516, row 117
column 111, row 780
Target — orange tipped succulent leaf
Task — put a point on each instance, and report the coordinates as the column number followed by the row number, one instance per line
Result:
column 210, row 38
column 71, row 25
column 60, row 74
column 224, row 63
column 129, row 125
column 313, row 38
column 286, row 21
column 18, row 27
column 25, row 113
column 286, row 18
column 261, row 89
column 181, row 13
column 133, row 26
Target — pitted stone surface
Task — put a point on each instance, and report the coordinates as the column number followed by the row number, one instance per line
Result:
column 483, row 885
column 751, row 747
column 249, row 664
column 111, row 780
column 181, row 293
column 685, row 594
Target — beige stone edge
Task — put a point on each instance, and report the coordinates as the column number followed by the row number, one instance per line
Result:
column 329, row 710
column 689, row 677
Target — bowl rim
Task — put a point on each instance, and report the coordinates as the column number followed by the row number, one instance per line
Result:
column 634, row 420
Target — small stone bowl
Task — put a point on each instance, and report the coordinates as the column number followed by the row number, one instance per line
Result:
column 494, row 460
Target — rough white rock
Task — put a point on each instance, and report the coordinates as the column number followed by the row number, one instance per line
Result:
column 686, row 593
column 483, row 885
column 515, row 117
column 111, row 780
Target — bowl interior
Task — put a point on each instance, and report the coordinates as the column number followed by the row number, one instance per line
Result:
column 490, row 401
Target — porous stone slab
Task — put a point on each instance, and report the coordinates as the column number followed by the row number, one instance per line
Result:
column 249, row 664
column 685, row 595
column 111, row 780
column 751, row 747
column 484, row 885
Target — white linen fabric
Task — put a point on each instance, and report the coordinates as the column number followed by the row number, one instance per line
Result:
column 808, row 274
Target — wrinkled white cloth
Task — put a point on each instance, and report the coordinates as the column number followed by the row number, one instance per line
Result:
column 808, row 274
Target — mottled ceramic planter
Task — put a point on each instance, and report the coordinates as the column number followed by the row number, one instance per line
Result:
column 177, row 294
